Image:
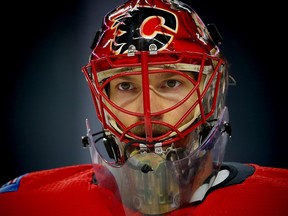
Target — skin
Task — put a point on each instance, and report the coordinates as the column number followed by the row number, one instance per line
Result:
column 165, row 90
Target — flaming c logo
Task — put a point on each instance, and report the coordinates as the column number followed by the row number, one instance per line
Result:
column 141, row 29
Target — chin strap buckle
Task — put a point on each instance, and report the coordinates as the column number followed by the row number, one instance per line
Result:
column 88, row 139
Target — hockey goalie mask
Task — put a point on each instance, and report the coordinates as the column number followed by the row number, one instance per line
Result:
column 158, row 81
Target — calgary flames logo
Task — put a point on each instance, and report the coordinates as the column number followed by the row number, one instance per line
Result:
column 140, row 29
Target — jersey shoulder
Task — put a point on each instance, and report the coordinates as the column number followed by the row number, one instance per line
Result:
column 59, row 177
column 60, row 191
column 272, row 176
column 250, row 189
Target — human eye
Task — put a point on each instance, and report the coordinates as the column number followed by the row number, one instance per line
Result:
column 171, row 83
column 125, row 86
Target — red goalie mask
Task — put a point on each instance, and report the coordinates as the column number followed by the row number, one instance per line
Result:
column 158, row 81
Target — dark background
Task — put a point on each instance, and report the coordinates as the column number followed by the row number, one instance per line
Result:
column 45, row 98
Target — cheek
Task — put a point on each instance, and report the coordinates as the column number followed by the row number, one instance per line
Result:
column 176, row 114
column 124, row 118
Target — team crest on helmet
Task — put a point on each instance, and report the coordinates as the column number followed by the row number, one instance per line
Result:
column 140, row 29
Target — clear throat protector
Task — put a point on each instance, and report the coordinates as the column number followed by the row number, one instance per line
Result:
column 158, row 180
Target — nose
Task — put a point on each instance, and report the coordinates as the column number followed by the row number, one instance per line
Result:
column 157, row 102
column 154, row 102
column 151, row 101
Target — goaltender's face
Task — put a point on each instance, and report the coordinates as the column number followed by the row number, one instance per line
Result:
column 167, row 96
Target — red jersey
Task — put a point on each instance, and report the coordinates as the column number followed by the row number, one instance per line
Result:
column 249, row 190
